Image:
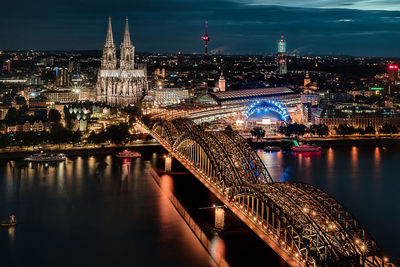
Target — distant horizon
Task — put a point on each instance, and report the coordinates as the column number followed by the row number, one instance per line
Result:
column 198, row 54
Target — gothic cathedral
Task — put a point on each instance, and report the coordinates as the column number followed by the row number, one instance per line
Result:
column 123, row 85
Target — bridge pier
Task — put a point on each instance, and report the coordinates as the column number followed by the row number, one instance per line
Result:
column 222, row 220
column 168, row 163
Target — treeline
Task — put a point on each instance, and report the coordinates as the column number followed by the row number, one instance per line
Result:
column 57, row 135
column 301, row 129
column 349, row 130
column 323, row 130
column 116, row 134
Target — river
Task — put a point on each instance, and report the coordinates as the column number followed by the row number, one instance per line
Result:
column 103, row 211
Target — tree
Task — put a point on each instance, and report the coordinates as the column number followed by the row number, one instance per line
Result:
column 322, row 130
column 360, row 131
column 345, row 130
column 54, row 116
column 293, row 129
column 118, row 133
column 11, row 116
column 20, row 100
column 369, row 130
column 258, row 132
column 389, row 129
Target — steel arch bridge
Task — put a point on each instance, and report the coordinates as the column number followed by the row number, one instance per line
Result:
column 302, row 223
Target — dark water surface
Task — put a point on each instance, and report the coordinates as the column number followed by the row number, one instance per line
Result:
column 103, row 211
column 366, row 180
column 91, row 212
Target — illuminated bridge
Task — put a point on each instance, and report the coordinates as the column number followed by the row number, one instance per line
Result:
column 301, row 223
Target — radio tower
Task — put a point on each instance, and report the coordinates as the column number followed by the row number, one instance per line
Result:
column 206, row 38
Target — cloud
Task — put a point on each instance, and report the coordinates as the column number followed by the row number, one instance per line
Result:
column 349, row 4
column 177, row 25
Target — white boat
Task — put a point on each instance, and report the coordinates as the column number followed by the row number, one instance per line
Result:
column 272, row 148
column 128, row 154
column 44, row 157
column 306, row 148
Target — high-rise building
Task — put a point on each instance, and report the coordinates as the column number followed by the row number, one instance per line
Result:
column 71, row 66
column 62, row 77
column 123, row 85
column 281, row 57
column 393, row 78
column 282, row 45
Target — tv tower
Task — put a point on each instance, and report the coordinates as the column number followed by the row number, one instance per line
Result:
column 206, row 38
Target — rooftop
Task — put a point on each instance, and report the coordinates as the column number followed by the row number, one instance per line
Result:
column 251, row 93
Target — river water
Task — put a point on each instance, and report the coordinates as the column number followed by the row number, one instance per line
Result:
column 365, row 180
column 103, row 211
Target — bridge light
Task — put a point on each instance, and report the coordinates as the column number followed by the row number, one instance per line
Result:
column 314, row 213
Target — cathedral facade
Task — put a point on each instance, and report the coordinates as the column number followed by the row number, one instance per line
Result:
column 120, row 84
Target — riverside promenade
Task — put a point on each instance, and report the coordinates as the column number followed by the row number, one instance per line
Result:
column 71, row 150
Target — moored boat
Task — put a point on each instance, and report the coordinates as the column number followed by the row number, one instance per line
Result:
column 44, row 157
column 306, row 148
column 272, row 148
column 10, row 223
column 129, row 154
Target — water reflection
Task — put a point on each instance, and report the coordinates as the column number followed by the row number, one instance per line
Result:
column 11, row 235
column 354, row 165
column 218, row 249
column 364, row 179
column 107, row 193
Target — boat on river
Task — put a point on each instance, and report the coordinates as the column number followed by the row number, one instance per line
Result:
column 306, row 148
column 12, row 222
column 44, row 157
column 8, row 224
column 129, row 154
column 272, row 148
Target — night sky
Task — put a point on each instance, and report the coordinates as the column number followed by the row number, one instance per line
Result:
column 343, row 27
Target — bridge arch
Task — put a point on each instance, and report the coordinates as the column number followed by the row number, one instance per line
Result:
column 306, row 223
column 164, row 130
column 268, row 105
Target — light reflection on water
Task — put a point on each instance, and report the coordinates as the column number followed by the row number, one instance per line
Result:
column 87, row 205
column 364, row 179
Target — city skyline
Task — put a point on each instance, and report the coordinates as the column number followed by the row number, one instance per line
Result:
column 359, row 28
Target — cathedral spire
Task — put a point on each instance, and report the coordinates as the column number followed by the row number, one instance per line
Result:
column 110, row 39
column 127, row 36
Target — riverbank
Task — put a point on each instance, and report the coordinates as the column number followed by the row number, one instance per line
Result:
column 353, row 141
column 380, row 141
column 68, row 150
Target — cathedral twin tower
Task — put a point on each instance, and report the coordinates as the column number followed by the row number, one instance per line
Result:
column 123, row 85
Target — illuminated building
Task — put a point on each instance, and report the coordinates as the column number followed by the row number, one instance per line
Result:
column 282, row 45
column 358, row 116
column 54, row 96
column 307, row 79
column 393, row 77
column 62, row 77
column 282, row 56
column 170, row 96
column 123, row 85
column 283, row 94
column 221, row 83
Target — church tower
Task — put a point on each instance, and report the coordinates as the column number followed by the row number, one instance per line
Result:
column 109, row 59
column 221, row 83
column 127, row 61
